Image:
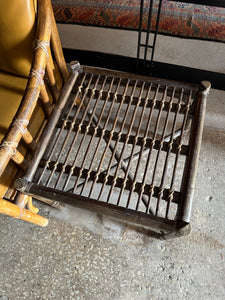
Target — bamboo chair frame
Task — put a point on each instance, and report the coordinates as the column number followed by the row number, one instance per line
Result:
column 41, row 79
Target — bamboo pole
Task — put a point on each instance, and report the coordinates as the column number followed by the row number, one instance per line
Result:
column 45, row 101
column 57, row 50
column 29, row 140
column 52, row 80
column 20, row 160
column 184, row 212
column 14, row 211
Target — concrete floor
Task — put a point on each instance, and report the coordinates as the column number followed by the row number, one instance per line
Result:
column 81, row 255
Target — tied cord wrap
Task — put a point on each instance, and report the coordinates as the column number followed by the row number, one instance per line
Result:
column 38, row 74
column 20, row 124
column 9, row 146
column 43, row 45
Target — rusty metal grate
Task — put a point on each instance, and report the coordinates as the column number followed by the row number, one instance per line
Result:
column 124, row 144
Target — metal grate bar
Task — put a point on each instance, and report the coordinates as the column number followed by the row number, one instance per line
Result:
column 131, row 158
column 98, row 131
column 91, row 118
column 134, row 100
column 110, row 138
column 103, row 129
column 167, row 156
column 114, row 148
column 183, row 128
column 62, row 127
column 69, row 132
column 100, row 140
column 149, row 155
column 159, row 151
column 126, row 141
column 118, row 183
column 134, row 156
column 82, row 104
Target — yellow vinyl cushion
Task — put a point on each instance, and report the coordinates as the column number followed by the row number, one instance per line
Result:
column 17, row 35
column 12, row 88
column 11, row 92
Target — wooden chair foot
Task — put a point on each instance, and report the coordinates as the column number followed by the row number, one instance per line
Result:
column 15, row 211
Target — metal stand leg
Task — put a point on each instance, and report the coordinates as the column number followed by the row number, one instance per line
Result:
column 147, row 68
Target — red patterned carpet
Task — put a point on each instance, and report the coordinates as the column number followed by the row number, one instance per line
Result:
column 178, row 19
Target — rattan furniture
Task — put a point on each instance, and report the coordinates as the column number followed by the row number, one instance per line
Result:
column 37, row 76
column 116, row 143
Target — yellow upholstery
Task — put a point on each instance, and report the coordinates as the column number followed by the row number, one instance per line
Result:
column 20, row 27
column 17, row 35
column 11, row 92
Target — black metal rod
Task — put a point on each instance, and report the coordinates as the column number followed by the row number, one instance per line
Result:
column 182, row 132
column 140, row 31
column 166, row 162
column 148, row 31
column 155, row 35
column 101, row 136
column 160, row 148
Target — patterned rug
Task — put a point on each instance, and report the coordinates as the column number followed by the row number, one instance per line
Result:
column 177, row 19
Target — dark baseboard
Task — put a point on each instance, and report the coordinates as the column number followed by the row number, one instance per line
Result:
column 217, row 3
column 159, row 69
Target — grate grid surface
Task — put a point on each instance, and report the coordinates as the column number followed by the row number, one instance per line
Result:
column 123, row 143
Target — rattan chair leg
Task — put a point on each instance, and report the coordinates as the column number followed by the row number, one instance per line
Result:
column 14, row 211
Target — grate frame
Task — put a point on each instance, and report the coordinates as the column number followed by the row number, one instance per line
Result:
column 119, row 113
